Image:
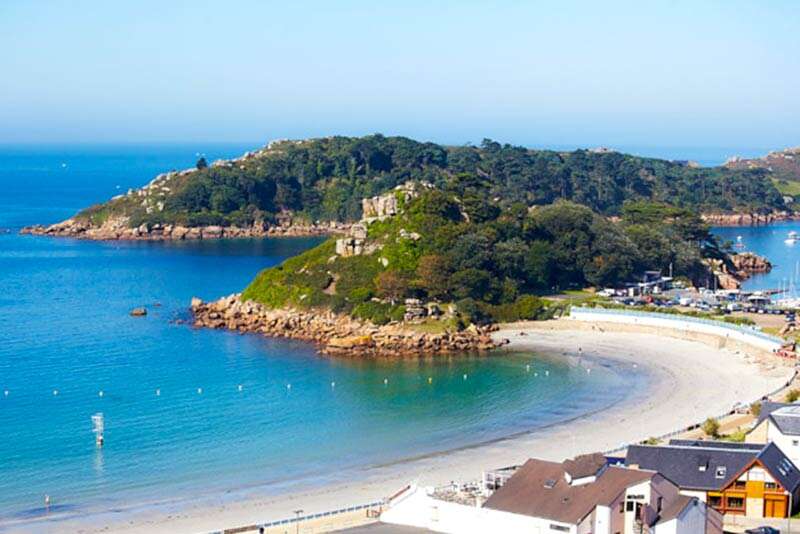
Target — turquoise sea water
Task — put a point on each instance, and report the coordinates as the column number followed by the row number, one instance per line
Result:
column 65, row 336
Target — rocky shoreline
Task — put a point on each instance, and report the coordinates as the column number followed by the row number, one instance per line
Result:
column 744, row 265
column 336, row 334
column 749, row 219
column 118, row 229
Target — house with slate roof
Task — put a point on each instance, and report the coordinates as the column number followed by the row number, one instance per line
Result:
column 567, row 497
column 578, row 496
column 780, row 424
column 735, row 478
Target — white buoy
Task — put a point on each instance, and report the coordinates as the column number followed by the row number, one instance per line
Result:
column 536, row 374
column 240, row 387
column 100, row 393
column 547, row 373
column 528, row 368
column 385, row 381
column 6, row 393
column 588, row 371
column 199, row 391
column 333, row 384
column 288, row 386
column 465, row 376
column 158, row 392
column 55, row 392
column 430, row 380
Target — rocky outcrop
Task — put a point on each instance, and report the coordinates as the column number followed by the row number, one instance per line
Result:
column 383, row 206
column 335, row 333
column 748, row 219
column 747, row 263
column 118, row 229
column 742, row 266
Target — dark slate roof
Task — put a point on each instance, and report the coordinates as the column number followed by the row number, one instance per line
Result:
column 705, row 444
column 538, row 489
column 780, row 467
column 691, row 467
column 787, row 419
column 767, row 407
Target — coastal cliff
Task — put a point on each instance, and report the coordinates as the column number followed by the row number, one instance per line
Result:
column 118, row 228
column 749, row 219
column 337, row 334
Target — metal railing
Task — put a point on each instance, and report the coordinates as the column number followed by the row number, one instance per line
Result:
column 750, row 331
column 300, row 519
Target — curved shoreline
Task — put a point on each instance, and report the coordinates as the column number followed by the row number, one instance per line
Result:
column 693, row 379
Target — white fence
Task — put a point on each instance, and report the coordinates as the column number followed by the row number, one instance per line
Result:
column 743, row 334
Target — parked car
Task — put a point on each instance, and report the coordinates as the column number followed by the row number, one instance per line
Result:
column 763, row 530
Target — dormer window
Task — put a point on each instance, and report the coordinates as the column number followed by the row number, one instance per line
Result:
column 721, row 471
column 702, row 463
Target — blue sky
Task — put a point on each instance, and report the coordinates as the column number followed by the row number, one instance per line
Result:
column 660, row 73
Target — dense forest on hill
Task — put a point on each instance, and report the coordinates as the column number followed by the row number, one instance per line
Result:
column 452, row 245
column 325, row 179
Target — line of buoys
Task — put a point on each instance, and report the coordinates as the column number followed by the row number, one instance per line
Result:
column 240, row 387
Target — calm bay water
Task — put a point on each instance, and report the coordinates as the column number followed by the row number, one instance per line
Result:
column 65, row 336
column 769, row 241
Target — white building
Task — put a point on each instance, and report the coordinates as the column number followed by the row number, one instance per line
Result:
column 580, row 496
column 781, row 426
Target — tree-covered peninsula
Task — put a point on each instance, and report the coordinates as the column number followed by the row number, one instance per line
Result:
column 455, row 245
column 323, row 180
column 426, row 264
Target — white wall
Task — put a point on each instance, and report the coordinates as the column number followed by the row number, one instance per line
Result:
column 785, row 443
column 416, row 508
column 674, row 322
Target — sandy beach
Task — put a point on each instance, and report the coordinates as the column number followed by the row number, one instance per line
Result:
column 691, row 380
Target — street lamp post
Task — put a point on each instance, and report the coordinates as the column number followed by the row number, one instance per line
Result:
column 297, row 520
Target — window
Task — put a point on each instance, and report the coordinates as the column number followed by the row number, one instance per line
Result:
column 795, row 442
column 715, row 500
column 735, row 503
column 721, row 471
column 629, row 506
column 740, row 484
column 659, row 504
column 560, row 528
column 770, row 485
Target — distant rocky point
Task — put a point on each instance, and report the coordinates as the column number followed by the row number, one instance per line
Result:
column 782, row 164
